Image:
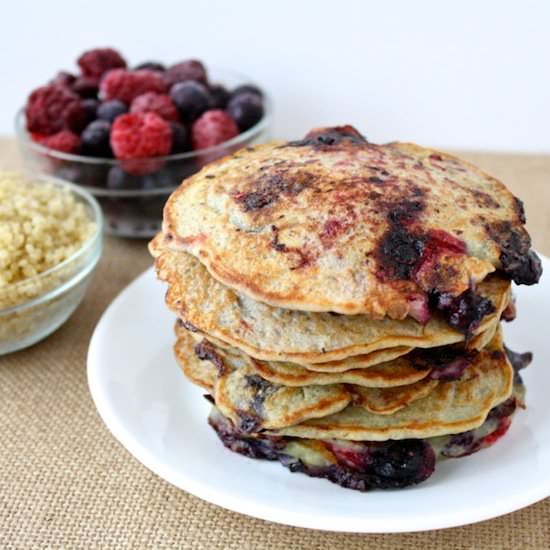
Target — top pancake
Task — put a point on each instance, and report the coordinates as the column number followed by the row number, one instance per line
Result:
column 334, row 223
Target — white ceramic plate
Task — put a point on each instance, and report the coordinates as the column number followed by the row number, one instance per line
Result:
column 160, row 418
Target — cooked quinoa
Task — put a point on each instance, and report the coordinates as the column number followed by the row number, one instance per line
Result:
column 41, row 225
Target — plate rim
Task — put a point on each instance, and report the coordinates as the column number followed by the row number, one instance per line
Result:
column 260, row 510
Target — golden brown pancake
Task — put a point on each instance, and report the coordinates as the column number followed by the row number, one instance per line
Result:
column 396, row 372
column 300, row 337
column 334, row 223
column 452, row 407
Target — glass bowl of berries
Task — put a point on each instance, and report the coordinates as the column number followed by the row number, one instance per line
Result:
column 130, row 136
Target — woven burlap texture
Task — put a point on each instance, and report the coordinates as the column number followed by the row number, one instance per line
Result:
column 65, row 482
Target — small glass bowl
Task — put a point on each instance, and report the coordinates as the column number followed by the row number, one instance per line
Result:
column 132, row 193
column 55, row 293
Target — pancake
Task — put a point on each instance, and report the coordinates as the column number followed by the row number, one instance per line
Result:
column 391, row 400
column 397, row 372
column 254, row 404
column 201, row 372
column 356, row 362
column 334, row 223
column 367, row 465
column 300, row 337
column 452, row 407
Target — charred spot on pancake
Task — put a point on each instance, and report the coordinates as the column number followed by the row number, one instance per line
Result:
column 205, row 351
column 401, row 247
column 267, row 190
column 405, row 212
column 322, row 138
column 187, row 325
column 445, row 363
column 518, row 261
column 463, row 312
column 483, row 199
column 304, row 257
column 520, row 210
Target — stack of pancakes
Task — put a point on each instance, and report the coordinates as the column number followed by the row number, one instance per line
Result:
column 340, row 302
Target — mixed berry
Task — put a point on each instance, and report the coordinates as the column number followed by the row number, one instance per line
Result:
column 171, row 109
column 136, row 114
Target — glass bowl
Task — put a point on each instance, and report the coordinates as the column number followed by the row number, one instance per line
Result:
column 132, row 193
column 53, row 295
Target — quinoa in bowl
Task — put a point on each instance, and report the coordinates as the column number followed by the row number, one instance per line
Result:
column 50, row 241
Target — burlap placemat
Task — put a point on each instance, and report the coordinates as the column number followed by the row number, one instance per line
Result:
column 65, row 482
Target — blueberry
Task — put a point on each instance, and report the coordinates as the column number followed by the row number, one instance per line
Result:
column 95, row 139
column 246, row 109
column 247, row 88
column 90, row 175
column 70, row 172
column 151, row 66
column 90, row 106
column 148, row 183
column 109, row 110
column 191, row 99
column 219, row 96
column 180, row 138
column 119, row 180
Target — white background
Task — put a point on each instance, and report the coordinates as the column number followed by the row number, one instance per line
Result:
column 461, row 74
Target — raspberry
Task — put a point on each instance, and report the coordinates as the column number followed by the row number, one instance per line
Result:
column 212, row 128
column 52, row 108
column 65, row 141
column 126, row 85
column 94, row 63
column 140, row 135
column 85, row 87
column 161, row 104
column 186, row 70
